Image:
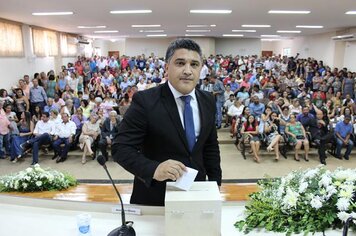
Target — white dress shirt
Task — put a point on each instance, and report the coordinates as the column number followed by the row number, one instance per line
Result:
column 44, row 127
column 193, row 104
column 65, row 130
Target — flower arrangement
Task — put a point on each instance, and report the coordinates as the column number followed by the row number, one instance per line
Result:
column 36, row 179
column 306, row 201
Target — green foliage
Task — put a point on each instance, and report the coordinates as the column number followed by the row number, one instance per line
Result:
column 35, row 179
column 303, row 202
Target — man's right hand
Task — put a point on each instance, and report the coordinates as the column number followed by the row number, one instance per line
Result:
column 169, row 169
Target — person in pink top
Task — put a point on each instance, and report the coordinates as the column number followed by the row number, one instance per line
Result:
column 4, row 130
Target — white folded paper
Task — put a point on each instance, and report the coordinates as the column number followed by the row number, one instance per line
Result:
column 186, row 180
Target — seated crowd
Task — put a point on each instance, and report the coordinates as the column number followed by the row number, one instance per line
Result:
column 270, row 99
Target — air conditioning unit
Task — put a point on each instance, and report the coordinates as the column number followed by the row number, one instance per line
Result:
column 346, row 37
column 83, row 42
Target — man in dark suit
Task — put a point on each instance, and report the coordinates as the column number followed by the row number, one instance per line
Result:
column 108, row 132
column 169, row 128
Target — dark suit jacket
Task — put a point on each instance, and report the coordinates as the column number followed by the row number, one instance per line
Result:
column 151, row 132
column 105, row 130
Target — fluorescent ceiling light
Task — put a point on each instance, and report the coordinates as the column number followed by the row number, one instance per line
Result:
column 289, row 31
column 198, row 31
column 52, row 13
column 131, row 12
column 200, row 26
column 211, row 11
column 232, row 35
column 270, row 39
column 247, row 31
column 156, row 35
column 92, row 27
column 256, row 26
column 310, row 26
column 212, row 25
column 350, row 13
column 106, row 31
column 194, row 35
column 270, row 36
column 151, row 31
column 343, row 36
column 143, row 26
column 287, row 12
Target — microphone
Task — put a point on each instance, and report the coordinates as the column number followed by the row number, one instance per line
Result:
column 126, row 228
column 346, row 226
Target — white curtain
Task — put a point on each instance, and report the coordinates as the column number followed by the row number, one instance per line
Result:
column 11, row 43
column 45, row 42
column 68, row 45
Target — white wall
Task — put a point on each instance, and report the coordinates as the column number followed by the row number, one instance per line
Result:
column 238, row 46
column 350, row 56
column 14, row 68
column 158, row 46
column 118, row 45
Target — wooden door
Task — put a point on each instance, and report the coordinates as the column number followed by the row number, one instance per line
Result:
column 267, row 53
column 115, row 54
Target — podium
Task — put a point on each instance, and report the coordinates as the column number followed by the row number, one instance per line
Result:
column 193, row 212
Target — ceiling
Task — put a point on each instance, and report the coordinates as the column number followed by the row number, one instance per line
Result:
column 174, row 16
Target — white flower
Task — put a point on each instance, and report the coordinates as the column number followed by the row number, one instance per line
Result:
column 36, row 166
column 343, row 204
column 291, row 198
column 24, row 185
column 39, row 183
column 343, row 216
column 325, row 181
column 302, row 187
column 29, row 170
column 346, row 193
column 311, row 173
column 316, row 203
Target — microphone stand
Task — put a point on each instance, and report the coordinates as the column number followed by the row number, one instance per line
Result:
column 346, row 226
column 126, row 228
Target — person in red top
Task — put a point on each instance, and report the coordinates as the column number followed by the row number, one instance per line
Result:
column 227, row 80
column 225, row 63
column 79, row 67
column 124, row 62
column 250, row 130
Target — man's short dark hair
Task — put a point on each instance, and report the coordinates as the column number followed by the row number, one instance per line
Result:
column 182, row 43
column 45, row 113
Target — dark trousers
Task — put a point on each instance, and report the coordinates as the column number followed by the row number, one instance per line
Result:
column 103, row 145
column 62, row 152
column 37, row 142
column 322, row 147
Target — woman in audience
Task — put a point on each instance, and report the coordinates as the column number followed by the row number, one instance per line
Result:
column 86, row 108
column 285, row 97
column 25, row 128
column 243, row 94
column 90, row 132
column 51, row 86
column 250, row 130
column 297, row 137
column 330, row 109
column 37, row 115
column 295, row 108
column 21, row 102
column 348, row 84
column 337, row 100
column 68, row 93
column 272, row 131
column 5, row 98
column 55, row 117
column 284, row 118
column 68, row 108
column 61, row 83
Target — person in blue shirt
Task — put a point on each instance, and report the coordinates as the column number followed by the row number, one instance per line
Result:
column 306, row 117
column 343, row 131
column 256, row 108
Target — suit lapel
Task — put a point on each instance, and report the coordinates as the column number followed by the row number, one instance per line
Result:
column 170, row 105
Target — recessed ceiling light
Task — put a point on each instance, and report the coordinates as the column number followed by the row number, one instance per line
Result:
column 232, row 35
column 53, row 13
column 270, row 36
column 92, row 27
column 287, row 12
column 197, row 31
column 350, row 13
column 310, row 26
column 194, row 35
column 131, row 12
column 156, row 35
column 211, row 11
column 270, row 39
column 256, row 26
column 289, row 31
column 105, row 31
column 143, row 26
column 247, row 31
column 151, row 31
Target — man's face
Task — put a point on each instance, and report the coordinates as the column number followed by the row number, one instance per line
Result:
column 44, row 118
column 35, row 82
column 65, row 117
column 305, row 110
column 255, row 100
column 184, row 70
column 347, row 120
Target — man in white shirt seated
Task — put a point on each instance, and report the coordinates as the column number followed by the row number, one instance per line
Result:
column 43, row 131
column 64, row 134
